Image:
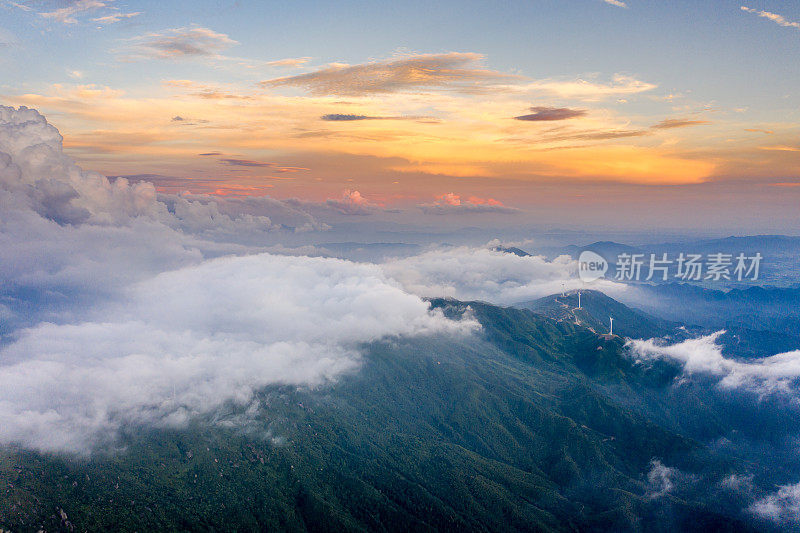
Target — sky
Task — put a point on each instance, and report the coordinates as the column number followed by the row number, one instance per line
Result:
column 189, row 302
column 602, row 113
column 180, row 182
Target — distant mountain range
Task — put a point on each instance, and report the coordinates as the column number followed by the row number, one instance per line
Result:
column 779, row 265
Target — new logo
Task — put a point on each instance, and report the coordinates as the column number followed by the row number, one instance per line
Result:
column 591, row 266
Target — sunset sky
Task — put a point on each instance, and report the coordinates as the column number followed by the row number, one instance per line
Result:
column 676, row 114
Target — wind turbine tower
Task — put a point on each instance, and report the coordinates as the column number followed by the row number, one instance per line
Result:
column 579, row 299
column 611, row 330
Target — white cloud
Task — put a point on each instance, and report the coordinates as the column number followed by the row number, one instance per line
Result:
column 451, row 203
column 483, row 274
column 181, row 43
column 774, row 17
column 704, row 356
column 616, row 3
column 738, row 483
column 40, row 185
column 781, row 506
column 23, row 7
column 127, row 321
column 68, row 14
column 289, row 62
column 116, row 17
column 71, row 10
column 34, row 168
column 660, row 479
column 590, row 90
column 188, row 341
column 71, row 238
column 352, row 203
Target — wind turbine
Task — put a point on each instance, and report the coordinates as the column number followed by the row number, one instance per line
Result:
column 611, row 329
column 579, row 300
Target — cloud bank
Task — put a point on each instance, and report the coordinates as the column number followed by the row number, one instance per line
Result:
column 451, row 203
column 482, row 274
column 703, row 356
column 781, row 507
column 121, row 307
column 70, row 237
column 188, row 341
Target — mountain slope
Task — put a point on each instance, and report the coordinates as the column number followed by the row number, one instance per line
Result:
column 521, row 428
column 595, row 311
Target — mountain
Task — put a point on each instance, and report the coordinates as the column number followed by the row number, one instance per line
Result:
column 595, row 311
column 759, row 321
column 536, row 423
column 778, row 265
column 608, row 249
column 752, row 305
column 511, row 250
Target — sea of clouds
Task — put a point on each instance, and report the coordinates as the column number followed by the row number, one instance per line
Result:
column 778, row 373
column 119, row 305
column 122, row 306
column 773, row 381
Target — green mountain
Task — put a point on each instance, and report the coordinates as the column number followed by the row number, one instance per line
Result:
column 595, row 310
column 760, row 321
column 537, row 423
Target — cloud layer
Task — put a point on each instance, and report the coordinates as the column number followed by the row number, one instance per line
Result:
column 454, row 70
column 703, row 356
column 181, row 43
column 483, row 274
column 188, row 341
column 539, row 114
column 672, row 123
column 781, row 506
column 67, row 234
column 114, row 314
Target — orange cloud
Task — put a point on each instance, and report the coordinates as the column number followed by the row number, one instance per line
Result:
column 484, row 201
column 454, row 70
column 449, row 199
column 591, row 91
column 352, row 203
column 262, row 135
column 781, row 148
column 671, row 123
column 289, row 62
column 451, row 203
